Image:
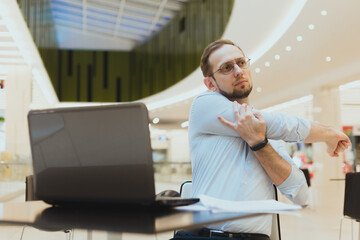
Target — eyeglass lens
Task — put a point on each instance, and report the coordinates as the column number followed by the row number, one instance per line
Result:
column 226, row 68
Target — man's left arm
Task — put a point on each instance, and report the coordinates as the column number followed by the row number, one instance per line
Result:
column 284, row 174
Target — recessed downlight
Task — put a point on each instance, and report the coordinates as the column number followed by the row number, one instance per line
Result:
column 185, row 124
column 156, row 120
column 328, row 59
column 299, row 38
column 267, row 64
column 324, row 12
column 288, row 48
column 259, row 89
column 257, row 70
column 277, row 57
column 311, row 26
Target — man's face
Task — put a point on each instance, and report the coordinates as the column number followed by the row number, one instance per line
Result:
column 235, row 85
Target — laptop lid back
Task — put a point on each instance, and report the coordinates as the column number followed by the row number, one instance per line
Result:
column 92, row 154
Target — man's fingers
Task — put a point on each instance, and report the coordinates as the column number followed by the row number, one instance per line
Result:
column 259, row 116
column 226, row 122
column 344, row 144
column 236, row 110
column 346, row 140
column 242, row 109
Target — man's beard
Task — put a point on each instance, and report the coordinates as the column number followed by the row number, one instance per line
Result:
column 237, row 94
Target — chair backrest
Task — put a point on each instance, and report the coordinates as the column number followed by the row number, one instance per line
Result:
column 307, row 175
column 186, row 191
column 30, row 191
column 352, row 195
column 275, row 226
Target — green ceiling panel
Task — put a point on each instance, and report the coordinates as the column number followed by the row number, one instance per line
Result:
column 112, row 76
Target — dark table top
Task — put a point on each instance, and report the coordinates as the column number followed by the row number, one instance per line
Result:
column 108, row 218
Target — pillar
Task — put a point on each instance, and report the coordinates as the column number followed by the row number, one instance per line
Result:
column 328, row 184
column 18, row 99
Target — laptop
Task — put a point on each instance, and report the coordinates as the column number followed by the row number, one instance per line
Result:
column 95, row 154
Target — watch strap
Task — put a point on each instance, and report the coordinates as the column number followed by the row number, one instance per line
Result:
column 259, row 145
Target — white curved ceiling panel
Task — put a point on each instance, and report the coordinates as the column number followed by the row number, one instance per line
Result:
column 298, row 46
column 252, row 24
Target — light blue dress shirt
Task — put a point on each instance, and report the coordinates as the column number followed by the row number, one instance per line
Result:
column 224, row 166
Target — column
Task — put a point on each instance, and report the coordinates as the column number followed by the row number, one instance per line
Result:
column 327, row 110
column 328, row 195
column 18, row 99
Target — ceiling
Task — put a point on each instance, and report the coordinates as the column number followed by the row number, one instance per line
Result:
column 110, row 24
column 296, row 47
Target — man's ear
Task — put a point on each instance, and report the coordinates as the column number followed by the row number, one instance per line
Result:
column 210, row 84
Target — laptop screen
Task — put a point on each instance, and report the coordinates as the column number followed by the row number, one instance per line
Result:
column 88, row 144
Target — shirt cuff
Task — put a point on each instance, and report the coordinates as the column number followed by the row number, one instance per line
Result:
column 295, row 187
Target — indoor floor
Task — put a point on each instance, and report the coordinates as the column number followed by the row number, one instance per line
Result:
column 320, row 220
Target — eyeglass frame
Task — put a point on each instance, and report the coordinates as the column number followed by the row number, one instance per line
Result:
column 233, row 66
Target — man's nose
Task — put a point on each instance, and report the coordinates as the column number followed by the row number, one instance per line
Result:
column 237, row 70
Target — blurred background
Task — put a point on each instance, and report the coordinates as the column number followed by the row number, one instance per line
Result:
column 305, row 61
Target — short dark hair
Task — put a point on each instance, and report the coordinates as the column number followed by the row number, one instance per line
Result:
column 204, row 62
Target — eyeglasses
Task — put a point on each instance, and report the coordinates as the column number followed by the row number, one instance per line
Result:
column 228, row 67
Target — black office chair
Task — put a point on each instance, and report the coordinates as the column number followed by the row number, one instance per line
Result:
column 29, row 189
column 185, row 191
column 31, row 196
column 351, row 199
column 307, row 175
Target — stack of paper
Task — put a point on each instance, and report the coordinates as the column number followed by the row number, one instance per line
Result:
column 259, row 206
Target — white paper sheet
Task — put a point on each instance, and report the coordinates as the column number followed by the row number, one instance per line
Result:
column 259, row 206
column 194, row 207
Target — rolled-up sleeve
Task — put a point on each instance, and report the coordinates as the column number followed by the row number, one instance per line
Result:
column 279, row 126
column 295, row 187
column 285, row 127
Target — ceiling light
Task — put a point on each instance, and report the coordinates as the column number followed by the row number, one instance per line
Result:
column 324, row 12
column 288, row 48
column 259, row 89
column 185, row 124
column 267, row 64
column 299, row 38
column 328, row 59
column 277, row 57
column 257, row 70
column 156, row 120
column 311, row 26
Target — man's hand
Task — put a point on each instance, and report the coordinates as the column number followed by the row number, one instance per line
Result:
column 250, row 126
column 337, row 144
column 336, row 141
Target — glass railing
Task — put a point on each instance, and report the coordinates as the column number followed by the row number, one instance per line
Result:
column 14, row 167
column 13, row 172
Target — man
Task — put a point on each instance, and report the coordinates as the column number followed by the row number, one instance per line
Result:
column 231, row 155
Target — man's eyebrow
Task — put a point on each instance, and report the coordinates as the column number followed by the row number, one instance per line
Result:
column 230, row 60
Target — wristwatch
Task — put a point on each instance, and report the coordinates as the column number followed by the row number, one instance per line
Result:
column 259, row 145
